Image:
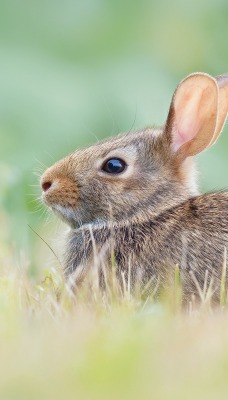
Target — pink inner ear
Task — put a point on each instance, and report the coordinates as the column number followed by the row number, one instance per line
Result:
column 188, row 118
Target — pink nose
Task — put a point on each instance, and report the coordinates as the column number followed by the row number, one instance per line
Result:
column 46, row 186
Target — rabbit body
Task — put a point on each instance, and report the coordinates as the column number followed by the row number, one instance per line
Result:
column 190, row 235
column 148, row 217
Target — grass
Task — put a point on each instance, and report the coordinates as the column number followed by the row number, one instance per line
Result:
column 57, row 345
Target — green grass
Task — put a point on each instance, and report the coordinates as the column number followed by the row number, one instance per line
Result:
column 57, row 345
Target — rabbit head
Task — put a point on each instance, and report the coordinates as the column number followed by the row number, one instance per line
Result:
column 141, row 173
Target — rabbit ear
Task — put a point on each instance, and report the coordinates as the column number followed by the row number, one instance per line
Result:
column 192, row 119
column 222, row 81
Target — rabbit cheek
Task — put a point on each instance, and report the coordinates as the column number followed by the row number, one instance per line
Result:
column 62, row 192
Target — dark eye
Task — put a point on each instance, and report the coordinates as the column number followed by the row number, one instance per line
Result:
column 114, row 166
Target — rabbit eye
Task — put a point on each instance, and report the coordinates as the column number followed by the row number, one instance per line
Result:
column 114, row 166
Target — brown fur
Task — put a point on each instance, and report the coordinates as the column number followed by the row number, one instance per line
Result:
column 148, row 217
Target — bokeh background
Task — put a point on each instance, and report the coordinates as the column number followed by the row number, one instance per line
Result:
column 72, row 72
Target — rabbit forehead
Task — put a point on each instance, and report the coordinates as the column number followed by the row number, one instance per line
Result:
column 126, row 143
column 128, row 152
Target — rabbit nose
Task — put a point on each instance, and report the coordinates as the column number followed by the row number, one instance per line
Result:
column 46, row 186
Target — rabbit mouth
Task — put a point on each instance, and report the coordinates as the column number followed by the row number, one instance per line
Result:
column 75, row 218
column 67, row 215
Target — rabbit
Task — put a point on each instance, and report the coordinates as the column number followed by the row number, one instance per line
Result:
column 132, row 200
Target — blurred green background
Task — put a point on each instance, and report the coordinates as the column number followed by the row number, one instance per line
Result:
column 75, row 71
